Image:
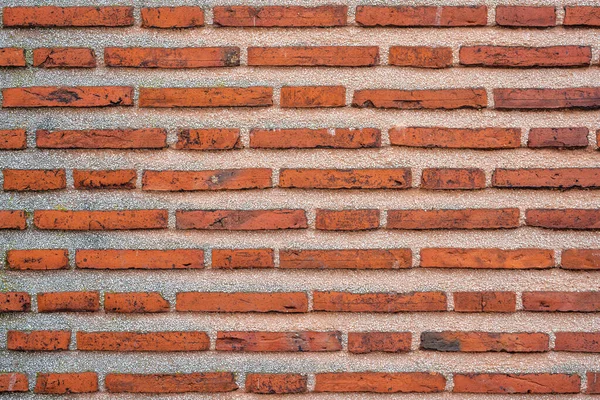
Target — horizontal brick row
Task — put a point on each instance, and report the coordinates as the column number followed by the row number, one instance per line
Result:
column 298, row 302
column 297, row 16
column 301, row 56
column 209, row 139
column 290, row 383
column 327, row 220
column 585, row 98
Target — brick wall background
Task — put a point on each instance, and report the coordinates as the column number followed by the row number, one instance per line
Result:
column 336, row 196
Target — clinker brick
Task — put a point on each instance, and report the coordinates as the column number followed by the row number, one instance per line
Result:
column 279, row 341
column 452, row 178
column 562, row 301
column 445, row 99
column 582, row 16
column 224, row 179
column 199, row 382
column 475, row 342
column 478, row 218
column 242, row 258
column 66, row 383
column 549, row 99
column 566, row 138
column 208, row 139
column 313, row 96
column 152, row 138
column 387, row 342
column 526, row 57
column 276, row 383
column 406, row 16
column 580, row 219
column 255, row 96
column 379, row 302
column 586, row 342
column 584, row 259
column 523, row 16
column 163, row 57
column 63, row 96
column 560, row 178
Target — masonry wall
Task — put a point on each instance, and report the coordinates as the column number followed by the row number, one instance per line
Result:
column 252, row 197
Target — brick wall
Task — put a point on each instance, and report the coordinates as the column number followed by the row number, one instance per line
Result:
column 250, row 197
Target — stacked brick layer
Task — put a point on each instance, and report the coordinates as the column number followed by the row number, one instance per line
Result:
column 300, row 198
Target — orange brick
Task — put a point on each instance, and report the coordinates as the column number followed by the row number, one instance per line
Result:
column 63, row 96
column 452, row 178
column 103, row 139
column 104, row 179
column 313, row 96
column 12, row 57
column 135, row 302
column 223, row 179
column 420, row 56
column 523, row 16
column 276, row 383
column 13, row 139
column 147, row 341
column 487, row 258
column 13, row 382
column 279, row 341
column 526, row 57
column 208, row 139
column 477, row 342
column 304, row 138
column 485, row 302
column 453, row 138
column 38, row 340
column 241, row 220
column 242, row 302
column 477, row 218
column 445, row 99
column 255, row 96
column 205, row 382
column 242, row 258
column 516, row 383
column 280, row 16
column 407, row 16
column 347, row 220
column 34, row 179
column 64, row 57
column 52, row 16
column 172, row 17
column 163, row 57
column 68, row 301
column 379, row 302
column 323, row 56
column 140, row 259
column 346, row 259
column 50, row 259
column 387, row 342
column 66, row 383
column 100, row 220
column 380, row 382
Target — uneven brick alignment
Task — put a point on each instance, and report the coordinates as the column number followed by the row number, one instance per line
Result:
column 195, row 197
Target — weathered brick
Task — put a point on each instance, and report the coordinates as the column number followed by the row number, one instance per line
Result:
column 487, row 258
column 586, row 342
column 346, row 259
column 566, row 138
column 379, row 302
column 526, row 57
column 68, row 302
column 223, row 179
column 200, row 382
column 304, row 138
column 66, row 383
column 377, row 178
column 593, row 383
column 172, row 17
column 585, row 259
column 313, row 96
column 550, row 99
column 140, row 259
column 13, row 139
column 475, row 342
column 38, row 340
column 305, row 341
column 13, row 382
column 64, row 57
column 52, row 16
column 525, row 16
column 241, row 220
column 100, row 220
column 474, row 218
column 562, row 301
column 276, row 383
column 13, row 219
column 152, row 138
column 420, row 56
column 293, row 302
column 208, row 139
column 582, row 16
column 242, row 258
column 142, row 341
column 455, row 138
column 104, row 179
column 380, row 382
column 14, row 302
column 485, row 302
column 171, row 57
column 516, row 383
column 313, row 56
column 12, row 57
column 559, row 178
column 34, row 179
column 135, row 302
column 580, row 219
column 387, row 342
column 50, row 259
column 347, row 220
column 406, row 16
column 255, row 96
column 452, row 178
column 281, row 16
column 64, row 96
column 445, row 99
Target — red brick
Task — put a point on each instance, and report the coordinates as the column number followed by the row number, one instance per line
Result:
column 281, row 16
column 142, row 341
column 51, row 16
column 582, row 16
column 587, row 342
column 222, row 179
column 34, row 179
column 313, row 56
column 378, row 178
column 516, row 383
column 485, row 302
column 199, row 382
column 522, row 16
column 13, row 219
column 279, row 341
column 593, row 383
column 276, row 383
column 38, row 340
column 135, row 302
column 64, row 96
column 255, row 96
column 13, row 382
column 241, row 220
column 64, row 57
column 100, row 220
column 152, row 138
column 445, row 99
column 313, row 96
column 66, row 383
column 104, row 179
column 304, row 138
column 13, row 139
column 455, row 138
column 346, row 259
column 68, row 301
column 561, row 301
column 476, row 342
column 452, row 178
column 559, row 178
column 487, row 258
column 564, row 218
column 421, row 16
column 347, row 220
column 293, row 302
column 380, row 382
column 165, row 57
column 379, row 302
column 14, row 302
column 558, row 137
column 585, row 259
column 172, row 17
column 242, row 258
column 140, row 259
column 12, row 57
column 550, row 99
column 208, row 139
column 50, row 259
column 474, row 218
column 387, row 342
column 526, row 57
column 420, row 56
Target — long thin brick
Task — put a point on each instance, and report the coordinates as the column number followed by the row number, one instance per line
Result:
column 496, row 302
column 301, row 341
column 172, row 17
column 452, row 178
column 243, row 258
column 313, row 96
column 420, row 56
column 476, row 342
column 52, row 16
column 140, row 259
column 151, row 138
column 563, row 138
column 34, row 179
column 517, row 383
column 163, row 57
column 487, row 258
column 100, row 220
column 294, row 302
column 314, row 56
column 104, row 179
column 526, row 57
column 579, row 219
column 474, row 218
column 68, row 301
column 304, row 138
column 444, row 99
column 65, row 96
column 64, row 57
column 280, row 16
column 379, row 302
column 223, row 179
column 421, row 16
column 208, row 139
column 549, row 99
column 347, row 220
column 346, row 259
column 66, row 383
column 387, row 342
column 38, row 340
column 584, row 342
column 198, row 382
column 561, row 301
column 142, row 341
column 379, row 178
column 276, row 383
column 135, row 302
column 582, row 16
column 380, row 382
column 584, row 259
column 39, row 260
column 241, row 220
column 560, row 178
column 255, row 96
column 456, row 138
column 525, row 16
